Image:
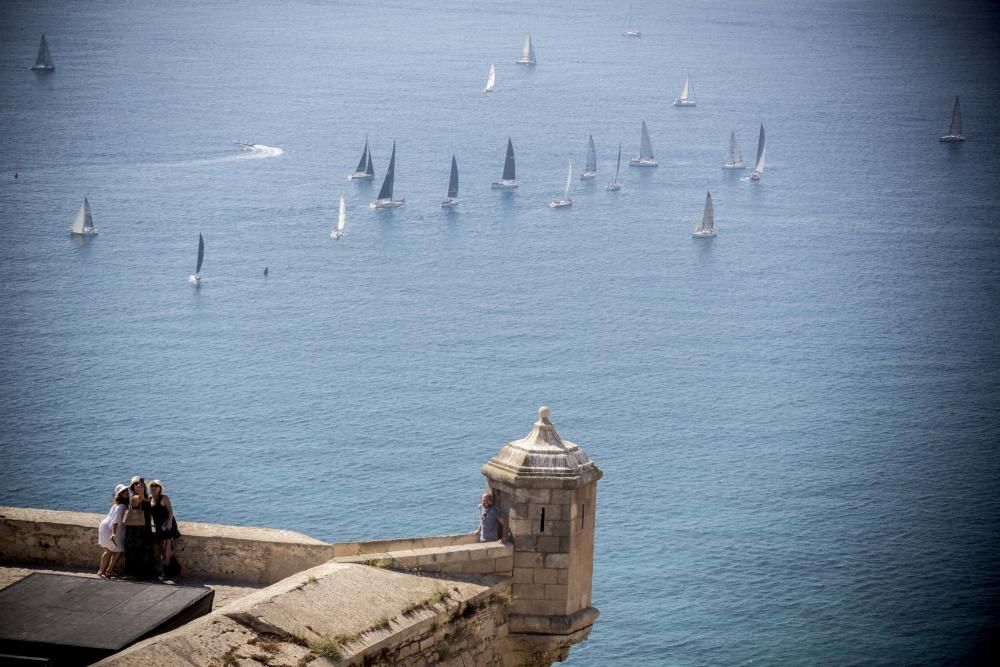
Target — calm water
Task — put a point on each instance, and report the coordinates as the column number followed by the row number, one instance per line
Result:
column 798, row 420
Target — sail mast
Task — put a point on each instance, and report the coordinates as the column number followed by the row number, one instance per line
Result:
column 619, row 165
column 569, row 177
column 453, row 179
column 956, row 119
column 761, row 149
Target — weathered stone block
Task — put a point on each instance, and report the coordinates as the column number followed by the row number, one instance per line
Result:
column 547, row 544
column 543, row 576
column 529, row 591
column 556, row 560
column 533, row 495
column 531, row 559
column 555, row 592
column 504, row 565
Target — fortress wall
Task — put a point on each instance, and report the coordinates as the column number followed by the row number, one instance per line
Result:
column 227, row 553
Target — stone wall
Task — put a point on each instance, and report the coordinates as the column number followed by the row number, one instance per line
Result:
column 227, row 553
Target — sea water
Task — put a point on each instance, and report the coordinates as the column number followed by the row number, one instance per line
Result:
column 797, row 420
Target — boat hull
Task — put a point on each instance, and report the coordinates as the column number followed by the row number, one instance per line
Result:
column 360, row 176
column 504, row 185
column 388, row 203
column 450, row 202
column 86, row 232
column 525, row 61
column 755, row 176
column 194, row 279
column 951, row 139
column 705, row 234
column 632, row 33
column 614, row 187
column 43, row 68
column 643, row 162
column 587, row 174
column 684, row 103
column 560, row 203
column 335, row 234
column 734, row 166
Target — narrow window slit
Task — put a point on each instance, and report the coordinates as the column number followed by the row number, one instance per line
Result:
column 541, row 528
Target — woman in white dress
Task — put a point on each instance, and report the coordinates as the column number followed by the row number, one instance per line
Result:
column 111, row 533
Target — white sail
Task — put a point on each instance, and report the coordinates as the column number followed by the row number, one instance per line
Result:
column 761, row 151
column 735, row 157
column 527, row 52
column 342, row 216
column 687, row 95
column 569, row 178
column 590, row 170
column 83, row 223
column 684, row 91
column 565, row 201
column 707, row 225
column 491, row 80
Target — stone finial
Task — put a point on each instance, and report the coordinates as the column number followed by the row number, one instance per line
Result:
column 542, row 454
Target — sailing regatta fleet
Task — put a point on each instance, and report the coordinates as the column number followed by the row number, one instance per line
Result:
column 83, row 224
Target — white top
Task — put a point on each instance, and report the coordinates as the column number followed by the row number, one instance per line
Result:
column 115, row 515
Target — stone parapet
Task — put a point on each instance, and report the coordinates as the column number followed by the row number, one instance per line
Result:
column 227, row 553
column 401, row 544
column 479, row 558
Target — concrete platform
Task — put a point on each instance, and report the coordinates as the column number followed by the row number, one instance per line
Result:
column 74, row 620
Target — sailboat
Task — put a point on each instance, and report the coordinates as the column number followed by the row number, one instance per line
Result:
column 509, row 179
column 615, row 186
column 955, row 131
column 43, row 63
column 628, row 25
column 645, row 156
column 491, row 79
column 384, row 199
column 591, row 169
column 758, row 168
column 83, row 224
column 565, row 201
column 527, row 53
column 687, row 95
column 338, row 231
column 195, row 278
column 735, row 159
column 452, row 198
column 364, row 171
column 706, row 228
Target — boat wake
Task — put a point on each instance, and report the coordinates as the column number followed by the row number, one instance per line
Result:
column 259, row 152
column 254, row 152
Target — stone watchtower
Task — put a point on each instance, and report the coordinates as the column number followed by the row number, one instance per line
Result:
column 547, row 489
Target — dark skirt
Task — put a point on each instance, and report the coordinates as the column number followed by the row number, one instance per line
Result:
column 138, row 552
column 171, row 534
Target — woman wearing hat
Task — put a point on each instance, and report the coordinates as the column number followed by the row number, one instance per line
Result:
column 138, row 536
column 110, row 533
column 166, row 528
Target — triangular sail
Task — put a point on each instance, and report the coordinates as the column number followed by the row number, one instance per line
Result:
column 491, row 79
column 370, row 168
column 708, row 217
column 508, row 163
column 386, row 191
column 201, row 254
column 761, row 149
column 453, row 180
column 684, row 92
column 528, row 52
column 83, row 218
column 735, row 155
column 591, row 156
column 364, row 159
column 956, row 120
column 619, row 165
column 645, row 146
column 342, row 216
column 43, row 59
column 569, row 179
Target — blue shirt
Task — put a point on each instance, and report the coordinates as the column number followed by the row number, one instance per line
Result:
column 489, row 524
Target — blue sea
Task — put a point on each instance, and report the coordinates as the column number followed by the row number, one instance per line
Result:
column 798, row 420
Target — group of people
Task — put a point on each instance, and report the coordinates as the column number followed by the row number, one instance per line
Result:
column 140, row 529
